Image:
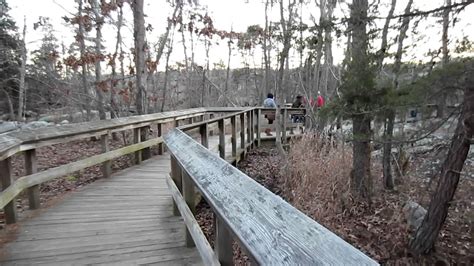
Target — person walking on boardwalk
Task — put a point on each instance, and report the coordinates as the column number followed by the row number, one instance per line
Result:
column 298, row 103
column 269, row 103
column 320, row 100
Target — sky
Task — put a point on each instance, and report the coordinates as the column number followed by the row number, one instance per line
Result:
column 227, row 14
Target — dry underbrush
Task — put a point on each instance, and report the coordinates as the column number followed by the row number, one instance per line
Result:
column 317, row 182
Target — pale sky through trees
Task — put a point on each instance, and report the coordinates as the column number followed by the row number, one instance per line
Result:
column 235, row 14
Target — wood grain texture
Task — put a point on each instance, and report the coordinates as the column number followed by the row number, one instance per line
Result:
column 273, row 231
column 205, row 249
column 125, row 219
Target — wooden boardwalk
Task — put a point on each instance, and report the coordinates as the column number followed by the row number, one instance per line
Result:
column 123, row 220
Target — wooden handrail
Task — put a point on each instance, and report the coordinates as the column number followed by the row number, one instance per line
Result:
column 29, row 141
column 13, row 142
column 271, row 231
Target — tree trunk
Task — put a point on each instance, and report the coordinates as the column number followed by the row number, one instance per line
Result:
column 82, row 48
column 361, row 179
column 426, row 235
column 361, row 85
column 114, row 110
column 21, row 93
column 384, row 46
column 98, row 69
column 390, row 118
column 165, row 87
column 266, row 55
column 441, row 102
column 387, row 151
column 140, row 47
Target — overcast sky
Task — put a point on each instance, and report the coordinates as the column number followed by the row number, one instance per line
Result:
column 227, row 14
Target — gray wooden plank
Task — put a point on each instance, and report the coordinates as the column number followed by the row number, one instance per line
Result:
column 273, row 231
column 126, row 216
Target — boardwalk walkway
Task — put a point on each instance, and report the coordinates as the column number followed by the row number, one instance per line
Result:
column 124, row 220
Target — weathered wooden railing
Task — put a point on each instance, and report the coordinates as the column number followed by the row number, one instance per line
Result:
column 28, row 141
column 269, row 229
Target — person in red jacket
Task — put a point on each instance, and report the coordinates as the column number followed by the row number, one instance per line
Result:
column 320, row 100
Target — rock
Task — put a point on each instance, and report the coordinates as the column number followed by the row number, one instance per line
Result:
column 414, row 214
column 8, row 126
column 64, row 122
column 35, row 124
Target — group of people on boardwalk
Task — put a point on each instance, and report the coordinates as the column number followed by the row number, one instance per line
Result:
column 300, row 102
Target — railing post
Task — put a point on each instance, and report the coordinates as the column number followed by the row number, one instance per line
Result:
column 252, row 128
column 176, row 122
column 249, row 127
column 6, row 180
column 203, row 130
column 211, row 132
column 220, row 125
column 233, row 124
column 284, row 123
column 242, row 131
column 223, row 244
column 146, row 152
column 190, row 120
column 190, row 198
column 259, row 125
column 161, row 147
column 137, row 139
column 31, row 167
column 176, row 176
column 106, row 166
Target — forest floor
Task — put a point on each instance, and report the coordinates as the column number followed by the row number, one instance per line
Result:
column 379, row 230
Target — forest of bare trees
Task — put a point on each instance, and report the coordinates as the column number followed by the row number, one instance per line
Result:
column 372, row 62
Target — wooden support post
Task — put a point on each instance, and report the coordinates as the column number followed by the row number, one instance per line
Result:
column 146, row 152
column 176, row 175
column 203, row 130
column 161, row 147
column 223, row 244
column 284, row 123
column 252, row 128
column 249, row 127
column 176, row 123
column 137, row 139
column 242, row 132
column 211, row 132
column 259, row 125
column 220, row 125
column 31, row 167
column 106, row 166
column 190, row 198
column 190, row 120
column 6, row 180
column 233, row 124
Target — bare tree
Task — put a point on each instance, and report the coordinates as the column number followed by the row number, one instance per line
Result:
column 426, row 235
column 441, row 104
column 359, row 86
column 140, row 50
column 82, row 48
column 99, row 20
column 22, row 88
